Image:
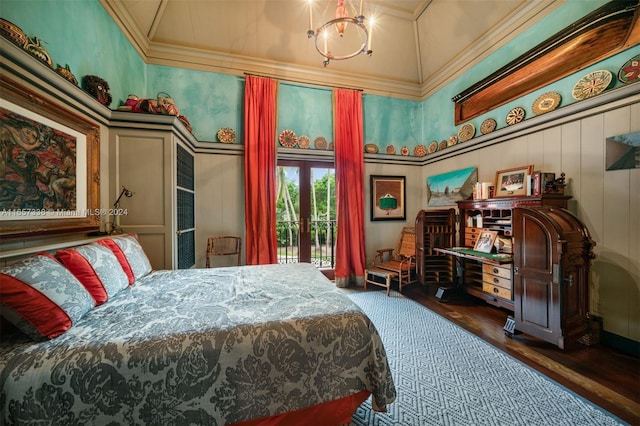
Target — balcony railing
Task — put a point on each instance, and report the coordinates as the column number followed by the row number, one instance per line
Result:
column 323, row 237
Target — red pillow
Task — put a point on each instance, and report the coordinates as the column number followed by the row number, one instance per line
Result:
column 115, row 248
column 41, row 297
column 97, row 268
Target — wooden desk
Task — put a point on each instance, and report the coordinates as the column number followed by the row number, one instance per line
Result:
column 487, row 276
column 469, row 253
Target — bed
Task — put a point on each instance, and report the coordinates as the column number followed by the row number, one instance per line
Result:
column 235, row 345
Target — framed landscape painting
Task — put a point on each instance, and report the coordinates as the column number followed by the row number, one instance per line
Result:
column 447, row 188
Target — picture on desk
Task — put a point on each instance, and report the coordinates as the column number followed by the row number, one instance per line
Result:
column 485, row 241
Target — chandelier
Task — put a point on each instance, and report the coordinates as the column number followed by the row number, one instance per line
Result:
column 344, row 33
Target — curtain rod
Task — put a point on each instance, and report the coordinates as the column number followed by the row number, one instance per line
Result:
column 305, row 83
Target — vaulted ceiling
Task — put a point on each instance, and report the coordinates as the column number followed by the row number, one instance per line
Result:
column 418, row 45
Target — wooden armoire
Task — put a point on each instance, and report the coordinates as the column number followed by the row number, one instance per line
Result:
column 552, row 253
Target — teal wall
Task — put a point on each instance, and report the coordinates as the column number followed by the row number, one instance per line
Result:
column 392, row 121
column 308, row 111
column 210, row 101
column 80, row 33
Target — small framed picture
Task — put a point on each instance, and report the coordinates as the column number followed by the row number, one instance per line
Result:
column 512, row 182
column 485, row 241
column 387, row 198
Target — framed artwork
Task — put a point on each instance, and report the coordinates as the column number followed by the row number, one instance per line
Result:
column 622, row 151
column 49, row 162
column 447, row 188
column 388, row 198
column 485, row 241
column 512, row 182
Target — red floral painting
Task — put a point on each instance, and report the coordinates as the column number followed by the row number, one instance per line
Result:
column 37, row 165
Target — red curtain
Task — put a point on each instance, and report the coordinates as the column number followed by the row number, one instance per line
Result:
column 349, row 157
column 260, row 95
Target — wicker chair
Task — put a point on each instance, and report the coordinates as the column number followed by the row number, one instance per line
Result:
column 224, row 246
column 399, row 262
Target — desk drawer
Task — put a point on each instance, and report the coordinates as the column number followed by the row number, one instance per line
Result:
column 472, row 230
column 497, row 281
column 496, row 291
column 470, row 236
column 503, row 271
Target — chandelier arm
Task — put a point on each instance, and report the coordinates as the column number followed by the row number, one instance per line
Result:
column 357, row 21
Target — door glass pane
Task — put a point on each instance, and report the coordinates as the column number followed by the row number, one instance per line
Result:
column 288, row 213
column 323, row 216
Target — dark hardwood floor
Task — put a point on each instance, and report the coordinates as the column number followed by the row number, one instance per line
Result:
column 602, row 375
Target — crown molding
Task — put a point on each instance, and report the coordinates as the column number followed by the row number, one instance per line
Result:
column 155, row 53
column 127, row 25
column 204, row 60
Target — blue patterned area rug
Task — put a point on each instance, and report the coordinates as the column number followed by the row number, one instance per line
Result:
column 445, row 375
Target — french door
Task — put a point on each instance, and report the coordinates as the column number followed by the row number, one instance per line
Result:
column 306, row 213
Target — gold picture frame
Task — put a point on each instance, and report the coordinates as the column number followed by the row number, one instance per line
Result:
column 486, row 240
column 51, row 166
column 512, row 182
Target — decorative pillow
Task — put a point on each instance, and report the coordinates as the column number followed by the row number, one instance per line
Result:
column 97, row 268
column 132, row 257
column 41, row 297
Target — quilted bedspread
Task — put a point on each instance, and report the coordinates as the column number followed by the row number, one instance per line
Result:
column 199, row 346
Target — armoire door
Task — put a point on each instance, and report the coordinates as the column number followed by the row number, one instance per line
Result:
column 537, row 278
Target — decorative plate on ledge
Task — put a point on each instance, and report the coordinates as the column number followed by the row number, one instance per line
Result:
column 320, row 143
column 591, row 85
column 466, row 132
column 288, row 139
column 304, row 142
column 488, row 126
column 371, row 148
column 630, row 71
column 515, row 116
column 227, row 135
column 420, row 151
column 433, row 147
column 391, row 150
column 404, row 150
column 546, row 102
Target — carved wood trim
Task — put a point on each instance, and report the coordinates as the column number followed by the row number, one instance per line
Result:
column 599, row 35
